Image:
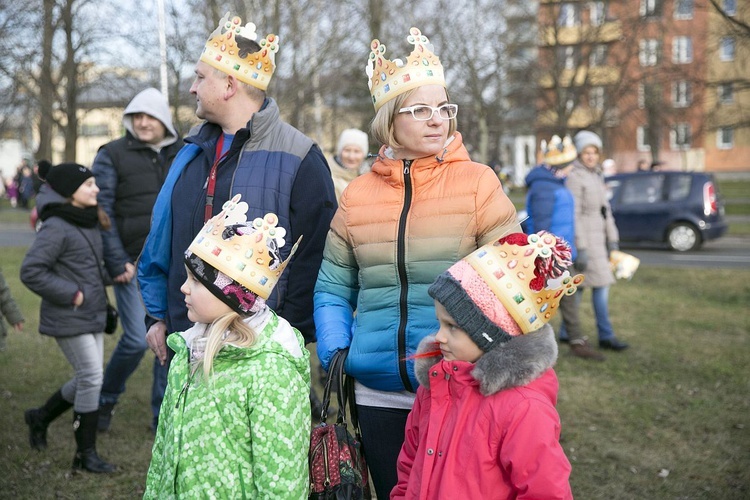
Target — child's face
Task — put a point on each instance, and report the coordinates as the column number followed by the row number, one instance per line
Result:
column 85, row 195
column 202, row 305
column 455, row 343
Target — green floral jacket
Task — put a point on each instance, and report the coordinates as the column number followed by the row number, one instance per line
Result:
column 245, row 433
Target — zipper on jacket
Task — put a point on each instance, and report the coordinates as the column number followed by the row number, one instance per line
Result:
column 403, row 281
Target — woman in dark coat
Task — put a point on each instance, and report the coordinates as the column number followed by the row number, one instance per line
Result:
column 63, row 266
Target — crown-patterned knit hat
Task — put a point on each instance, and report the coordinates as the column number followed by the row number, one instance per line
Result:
column 507, row 288
column 238, row 261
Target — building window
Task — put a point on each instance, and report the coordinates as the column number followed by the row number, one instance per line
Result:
column 683, row 9
column 569, row 15
column 569, row 56
column 682, row 49
column 730, row 7
column 597, row 13
column 94, row 130
column 681, row 95
column 598, row 56
column 725, row 138
column 596, row 98
column 641, row 136
column 679, row 136
column 726, row 49
column 641, row 96
column 726, row 93
column 651, row 8
column 648, row 54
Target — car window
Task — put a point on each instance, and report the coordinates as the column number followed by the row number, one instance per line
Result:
column 679, row 187
column 642, row 189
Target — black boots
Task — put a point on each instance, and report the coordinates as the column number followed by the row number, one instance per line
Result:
column 86, row 457
column 38, row 419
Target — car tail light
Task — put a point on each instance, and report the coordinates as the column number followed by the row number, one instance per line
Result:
column 710, row 203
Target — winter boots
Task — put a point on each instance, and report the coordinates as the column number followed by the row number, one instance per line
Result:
column 581, row 349
column 86, row 458
column 38, row 419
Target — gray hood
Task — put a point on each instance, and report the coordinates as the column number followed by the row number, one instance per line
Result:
column 153, row 103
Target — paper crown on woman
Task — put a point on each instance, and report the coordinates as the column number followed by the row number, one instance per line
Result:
column 227, row 50
column 387, row 78
column 239, row 261
column 507, row 288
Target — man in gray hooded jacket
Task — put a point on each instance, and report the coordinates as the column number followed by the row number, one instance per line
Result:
column 130, row 172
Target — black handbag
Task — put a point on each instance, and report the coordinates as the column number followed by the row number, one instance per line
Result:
column 112, row 315
column 336, row 460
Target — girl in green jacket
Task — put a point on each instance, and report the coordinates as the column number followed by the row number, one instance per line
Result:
column 235, row 420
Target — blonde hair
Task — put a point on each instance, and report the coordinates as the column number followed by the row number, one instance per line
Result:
column 382, row 128
column 229, row 328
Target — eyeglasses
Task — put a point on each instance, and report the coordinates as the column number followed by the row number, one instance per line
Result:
column 422, row 112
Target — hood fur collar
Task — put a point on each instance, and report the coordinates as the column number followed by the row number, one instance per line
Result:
column 512, row 364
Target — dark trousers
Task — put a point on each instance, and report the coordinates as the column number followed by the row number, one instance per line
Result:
column 382, row 437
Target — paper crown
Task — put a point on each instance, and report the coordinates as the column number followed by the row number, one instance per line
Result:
column 517, row 271
column 227, row 51
column 387, row 78
column 249, row 253
column 559, row 152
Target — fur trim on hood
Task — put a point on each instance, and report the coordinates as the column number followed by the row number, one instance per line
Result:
column 511, row 364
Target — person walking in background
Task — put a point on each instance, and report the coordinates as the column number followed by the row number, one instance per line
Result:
column 130, row 172
column 596, row 234
column 244, row 148
column 236, row 413
column 423, row 205
column 63, row 266
column 349, row 161
column 551, row 207
column 484, row 424
column 9, row 311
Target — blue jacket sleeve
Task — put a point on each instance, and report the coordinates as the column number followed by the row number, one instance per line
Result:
column 105, row 173
column 313, row 203
column 154, row 261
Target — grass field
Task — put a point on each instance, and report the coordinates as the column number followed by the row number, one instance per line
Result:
column 666, row 419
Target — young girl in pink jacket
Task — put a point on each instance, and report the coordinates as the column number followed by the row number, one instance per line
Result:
column 484, row 423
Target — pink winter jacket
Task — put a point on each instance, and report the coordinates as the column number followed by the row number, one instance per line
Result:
column 487, row 430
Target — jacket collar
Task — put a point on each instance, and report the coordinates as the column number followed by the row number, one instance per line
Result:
column 512, row 364
column 392, row 170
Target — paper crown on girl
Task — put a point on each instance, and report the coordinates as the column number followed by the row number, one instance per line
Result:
column 559, row 152
column 227, row 50
column 247, row 252
column 507, row 288
column 387, row 78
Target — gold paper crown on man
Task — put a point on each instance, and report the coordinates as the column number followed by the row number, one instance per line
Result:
column 229, row 51
column 389, row 78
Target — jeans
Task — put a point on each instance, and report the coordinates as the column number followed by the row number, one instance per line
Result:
column 85, row 353
column 600, row 299
column 130, row 350
column 383, row 431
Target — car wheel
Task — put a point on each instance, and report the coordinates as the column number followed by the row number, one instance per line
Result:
column 683, row 237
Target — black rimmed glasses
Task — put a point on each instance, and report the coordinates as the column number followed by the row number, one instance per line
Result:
column 422, row 112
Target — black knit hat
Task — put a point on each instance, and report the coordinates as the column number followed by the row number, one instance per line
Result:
column 43, row 167
column 66, row 178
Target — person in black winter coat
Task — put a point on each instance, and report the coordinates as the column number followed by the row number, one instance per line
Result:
column 63, row 266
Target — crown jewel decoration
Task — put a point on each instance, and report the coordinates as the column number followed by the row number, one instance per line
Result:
column 248, row 252
column 387, row 78
column 529, row 278
column 228, row 51
column 559, row 152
